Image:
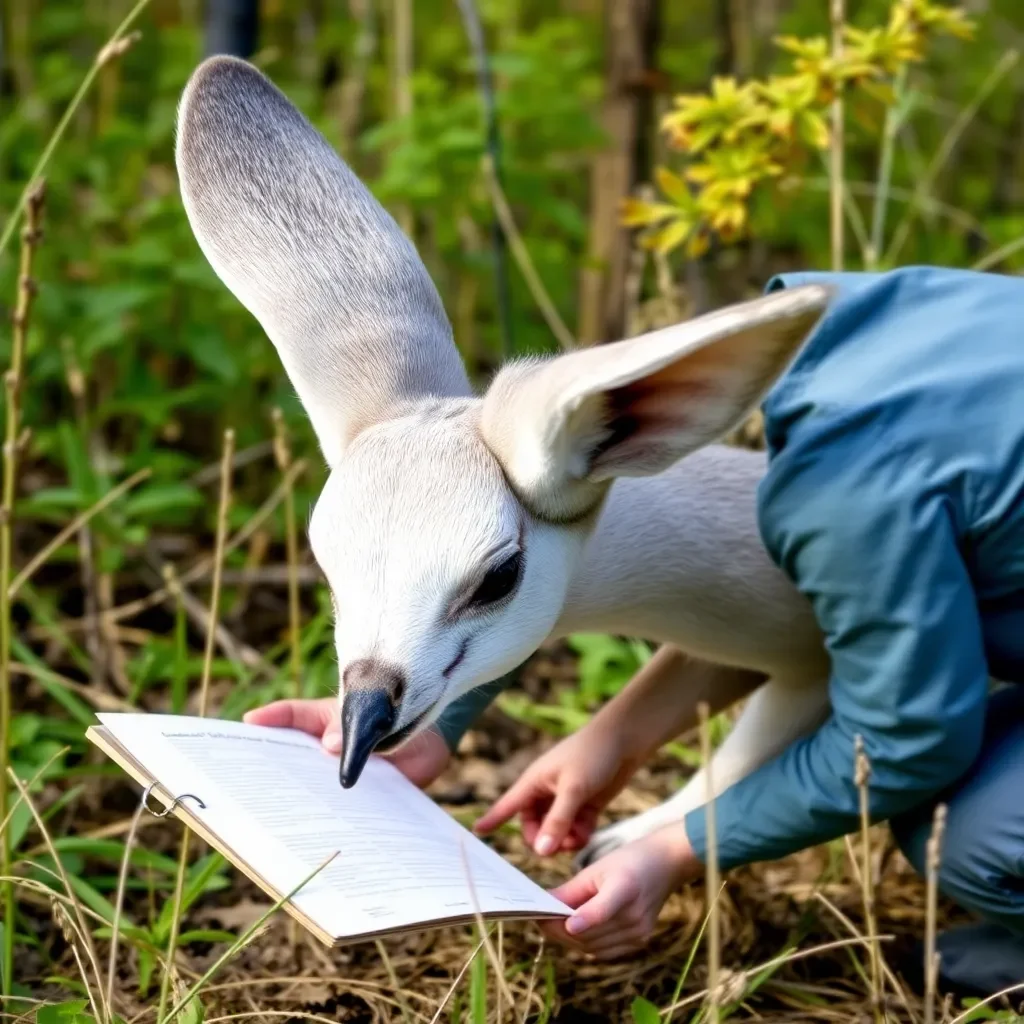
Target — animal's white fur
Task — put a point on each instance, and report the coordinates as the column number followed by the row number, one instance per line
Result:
column 430, row 484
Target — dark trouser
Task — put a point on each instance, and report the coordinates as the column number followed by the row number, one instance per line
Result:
column 982, row 867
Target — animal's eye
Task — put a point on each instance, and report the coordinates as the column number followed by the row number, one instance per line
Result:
column 499, row 581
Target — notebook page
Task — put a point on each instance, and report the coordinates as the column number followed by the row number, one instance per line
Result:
column 273, row 796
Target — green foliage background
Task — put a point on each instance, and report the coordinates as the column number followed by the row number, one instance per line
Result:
column 128, row 305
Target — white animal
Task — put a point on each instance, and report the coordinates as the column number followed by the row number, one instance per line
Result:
column 459, row 532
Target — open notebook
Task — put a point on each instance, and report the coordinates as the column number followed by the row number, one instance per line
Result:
column 274, row 808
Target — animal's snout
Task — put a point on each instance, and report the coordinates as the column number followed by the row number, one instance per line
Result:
column 369, row 708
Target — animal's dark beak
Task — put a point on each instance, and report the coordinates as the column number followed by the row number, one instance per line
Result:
column 367, row 716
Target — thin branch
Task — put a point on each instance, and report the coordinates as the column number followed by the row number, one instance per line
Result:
column 522, row 257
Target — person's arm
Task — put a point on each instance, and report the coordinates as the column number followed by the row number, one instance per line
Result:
column 662, row 700
column 874, row 545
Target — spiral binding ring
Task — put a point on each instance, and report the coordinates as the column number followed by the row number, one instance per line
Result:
column 170, row 807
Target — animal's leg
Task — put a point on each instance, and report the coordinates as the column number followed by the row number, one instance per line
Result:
column 778, row 713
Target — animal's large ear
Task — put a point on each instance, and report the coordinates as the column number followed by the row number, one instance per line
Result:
column 563, row 428
column 302, row 243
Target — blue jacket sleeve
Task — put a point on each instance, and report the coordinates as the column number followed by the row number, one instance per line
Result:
column 873, row 543
column 463, row 712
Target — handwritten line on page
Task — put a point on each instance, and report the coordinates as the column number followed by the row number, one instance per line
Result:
column 272, row 797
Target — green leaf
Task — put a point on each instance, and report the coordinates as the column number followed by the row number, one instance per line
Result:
column 478, row 989
column 206, row 935
column 644, row 1012
column 159, row 498
column 71, row 1012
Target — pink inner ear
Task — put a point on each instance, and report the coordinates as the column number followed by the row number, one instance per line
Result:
column 648, row 417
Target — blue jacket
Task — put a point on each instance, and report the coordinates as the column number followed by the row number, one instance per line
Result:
column 894, row 499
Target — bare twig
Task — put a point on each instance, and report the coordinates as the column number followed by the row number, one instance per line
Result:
column 711, row 884
column 30, row 236
column 283, row 455
column 933, row 858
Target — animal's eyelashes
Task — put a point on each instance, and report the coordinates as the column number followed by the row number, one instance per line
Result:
column 489, row 590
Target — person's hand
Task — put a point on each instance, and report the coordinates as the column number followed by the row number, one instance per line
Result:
column 561, row 794
column 618, row 898
column 420, row 760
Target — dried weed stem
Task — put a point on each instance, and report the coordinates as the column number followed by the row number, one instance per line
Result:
column 862, row 774
column 30, row 237
column 283, row 457
column 204, row 697
column 711, row 884
column 933, row 859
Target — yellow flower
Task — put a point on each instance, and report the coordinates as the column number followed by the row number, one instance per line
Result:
column 701, row 120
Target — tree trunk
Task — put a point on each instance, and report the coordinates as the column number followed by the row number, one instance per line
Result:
column 631, row 30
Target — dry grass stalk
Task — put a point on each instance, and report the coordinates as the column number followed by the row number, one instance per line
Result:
column 75, row 526
column 458, row 979
column 945, row 151
column 218, row 563
column 492, row 955
column 862, row 774
column 30, row 237
column 837, row 10
column 204, row 566
column 890, row 977
column 933, row 859
column 283, row 456
column 403, row 1006
column 204, row 690
column 122, row 884
column 240, row 943
column 402, row 13
column 71, row 936
column 115, row 47
column 774, row 963
column 711, row 884
column 86, row 553
column 98, row 1004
